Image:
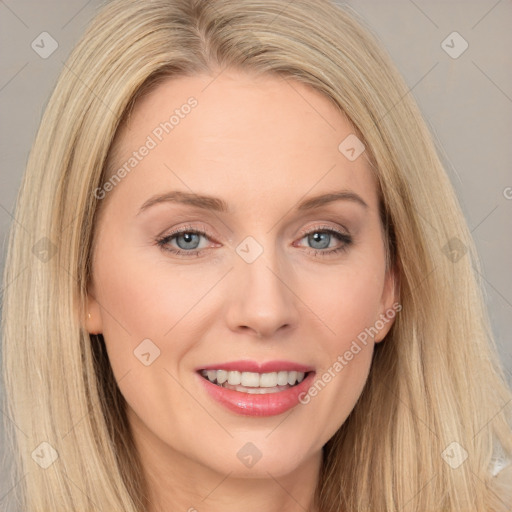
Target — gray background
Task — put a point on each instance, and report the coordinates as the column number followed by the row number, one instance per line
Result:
column 467, row 102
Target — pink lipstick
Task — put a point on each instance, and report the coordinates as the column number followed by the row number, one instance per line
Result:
column 256, row 389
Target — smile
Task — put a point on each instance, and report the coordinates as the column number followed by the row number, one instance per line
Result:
column 251, row 388
column 254, row 383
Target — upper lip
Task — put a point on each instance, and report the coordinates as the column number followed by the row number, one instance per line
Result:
column 256, row 367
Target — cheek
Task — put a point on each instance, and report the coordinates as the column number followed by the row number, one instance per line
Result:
column 133, row 306
column 337, row 388
column 349, row 305
column 346, row 359
column 141, row 297
column 347, row 300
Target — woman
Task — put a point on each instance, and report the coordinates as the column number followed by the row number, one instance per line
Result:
column 177, row 340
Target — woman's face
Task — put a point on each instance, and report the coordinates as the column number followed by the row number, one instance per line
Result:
column 281, row 284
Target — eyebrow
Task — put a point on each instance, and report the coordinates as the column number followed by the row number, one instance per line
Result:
column 218, row 205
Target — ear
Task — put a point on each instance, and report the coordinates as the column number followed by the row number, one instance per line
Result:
column 390, row 304
column 93, row 321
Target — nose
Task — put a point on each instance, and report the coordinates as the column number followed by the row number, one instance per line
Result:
column 262, row 301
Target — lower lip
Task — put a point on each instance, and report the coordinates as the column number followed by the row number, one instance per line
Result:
column 269, row 404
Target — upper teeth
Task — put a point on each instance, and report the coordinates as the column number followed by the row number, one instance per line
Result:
column 254, row 380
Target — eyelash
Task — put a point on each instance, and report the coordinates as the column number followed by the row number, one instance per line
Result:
column 164, row 241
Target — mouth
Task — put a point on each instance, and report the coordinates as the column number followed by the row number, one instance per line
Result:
column 250, row 388
column 255, row 383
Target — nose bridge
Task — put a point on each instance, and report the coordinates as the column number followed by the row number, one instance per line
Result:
column 262, row 298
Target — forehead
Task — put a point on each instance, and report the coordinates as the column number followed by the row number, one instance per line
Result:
column 244, row 136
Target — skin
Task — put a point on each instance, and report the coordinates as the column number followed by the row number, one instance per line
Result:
column 262, row 144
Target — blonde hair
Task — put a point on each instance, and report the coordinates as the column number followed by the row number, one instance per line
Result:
column 435, row 380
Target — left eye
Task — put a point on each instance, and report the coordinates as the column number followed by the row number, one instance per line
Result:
column 188, row 240
column 322, row 238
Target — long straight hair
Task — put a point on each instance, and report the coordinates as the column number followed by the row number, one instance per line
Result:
column 436, row 389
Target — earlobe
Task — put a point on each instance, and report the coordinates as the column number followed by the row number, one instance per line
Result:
column 390, row 305
column 93, row 322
